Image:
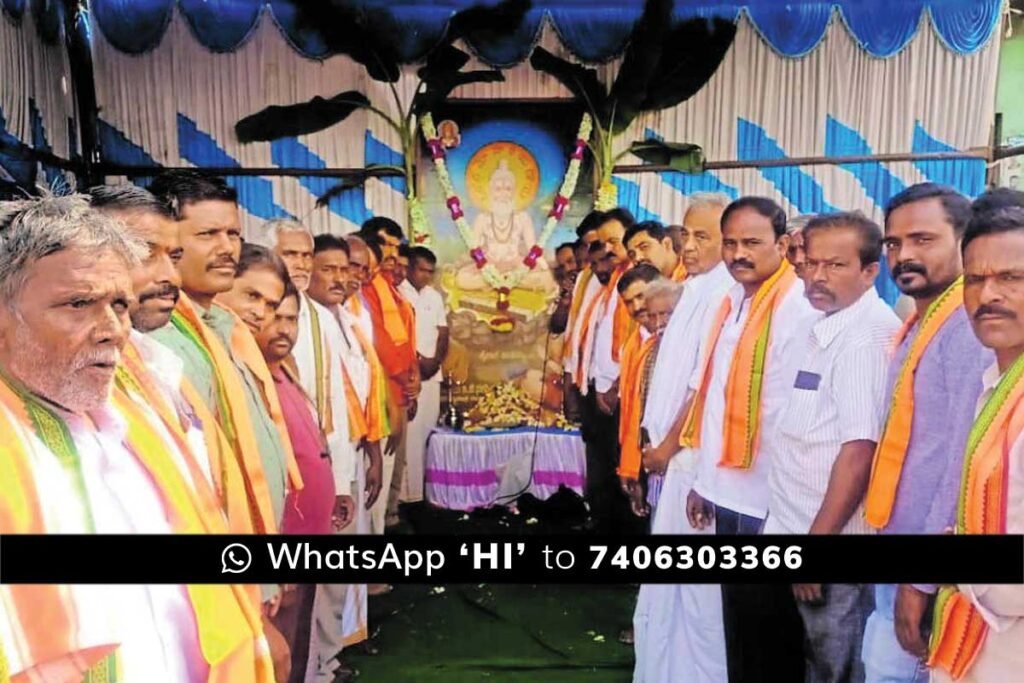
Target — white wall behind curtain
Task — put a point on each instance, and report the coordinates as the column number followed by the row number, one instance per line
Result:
column 951, row 95
column 31, row 69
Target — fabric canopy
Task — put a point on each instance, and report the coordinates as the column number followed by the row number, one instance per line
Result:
column 593, row 30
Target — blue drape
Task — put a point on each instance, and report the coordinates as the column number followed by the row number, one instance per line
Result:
column 594, row 30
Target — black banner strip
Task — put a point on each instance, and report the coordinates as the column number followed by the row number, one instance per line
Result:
column 512, row 559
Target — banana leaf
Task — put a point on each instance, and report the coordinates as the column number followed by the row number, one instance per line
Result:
column 678, row 156
column 483, row 23
column 692, row 52
column 279, row 121
column 443, row 60
column 581, row 81
column 441, row 85
column 366, row 34
column 640, row 62
column 357, row 179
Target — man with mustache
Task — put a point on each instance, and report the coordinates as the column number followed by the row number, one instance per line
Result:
column 315, row 509
column 979, row 630
column 565, row 272
column 731, row 416
column 79, row 456
column 220, row 355
column 649, row 242
column 797, row 253
column 670, row 618
column 394, row 337
column 222, row 360
column 334, row 285
column 431, row 350
column 638, row 349
column 600, row 357
column 361, row 255
column 585, row 290
column 933, row 384
column 152, row 373
column 822, row 449
column 318, row 361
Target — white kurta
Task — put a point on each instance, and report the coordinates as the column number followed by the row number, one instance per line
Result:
column 678, row 629
column 430, row 319
column 154, row 625
column 343, row 455
column 340, row 610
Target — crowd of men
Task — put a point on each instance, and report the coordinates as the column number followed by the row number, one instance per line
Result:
column 158, row 374
column 739, row 374
column 736, row 374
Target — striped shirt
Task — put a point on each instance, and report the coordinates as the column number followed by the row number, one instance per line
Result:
column 837, row 394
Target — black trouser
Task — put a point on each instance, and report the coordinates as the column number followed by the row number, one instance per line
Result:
column 763, row 630
column 609, row 506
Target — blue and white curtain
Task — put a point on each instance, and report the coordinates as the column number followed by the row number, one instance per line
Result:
column 801, row 79
column 37, row 101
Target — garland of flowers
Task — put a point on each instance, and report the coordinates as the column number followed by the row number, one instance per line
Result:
column 505, row 282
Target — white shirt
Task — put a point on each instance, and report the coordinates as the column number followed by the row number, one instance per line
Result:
column 167, row 371
column 679, row 349
column 343, row 455
column 430, row 318
column 353, row 358
column 364, row 317
column 603, row 368
column 571, row 358
column 837, row 394
column 746, row 491
column 154, row 624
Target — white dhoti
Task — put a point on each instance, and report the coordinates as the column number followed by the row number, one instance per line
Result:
column 428, row 410
column 340, row 609
column 679, row 630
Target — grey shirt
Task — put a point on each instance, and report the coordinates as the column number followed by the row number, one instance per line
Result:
column 947, row 385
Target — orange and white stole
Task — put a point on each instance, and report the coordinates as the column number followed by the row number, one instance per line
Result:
column 232, row 412
column 891, row 451
column 742, row 424
column 634, row 358
column 679, row 272
column 959, row 630
column 620, row 326
column 228, row 621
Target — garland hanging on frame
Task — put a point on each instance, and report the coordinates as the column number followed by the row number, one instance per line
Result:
column 506, row 281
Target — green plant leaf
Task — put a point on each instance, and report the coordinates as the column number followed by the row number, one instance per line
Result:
column 581, row 81
column 279, row 121
column 439, row 88
column 486, row 23
column 679, row 156
column 692, row 52
column 364, row 33
column 640, row 62
column 442, row 61
column 354, row 180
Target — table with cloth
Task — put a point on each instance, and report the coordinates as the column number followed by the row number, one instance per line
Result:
column 463, row 469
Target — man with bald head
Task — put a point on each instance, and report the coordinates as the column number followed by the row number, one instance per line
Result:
column 83, row 458
column 663, row 627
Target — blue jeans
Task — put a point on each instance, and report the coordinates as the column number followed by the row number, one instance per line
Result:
column 884, row 660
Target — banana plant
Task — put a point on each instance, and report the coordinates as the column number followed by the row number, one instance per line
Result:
column 367, row 35
column 664, row 64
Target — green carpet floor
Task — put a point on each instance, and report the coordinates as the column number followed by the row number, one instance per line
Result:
column 500, row 634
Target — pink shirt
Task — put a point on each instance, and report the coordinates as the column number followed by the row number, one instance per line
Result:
column 307, row 511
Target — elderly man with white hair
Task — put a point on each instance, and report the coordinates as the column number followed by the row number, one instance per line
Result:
column 79, row 456
column 679, row 631
column 319, row 360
